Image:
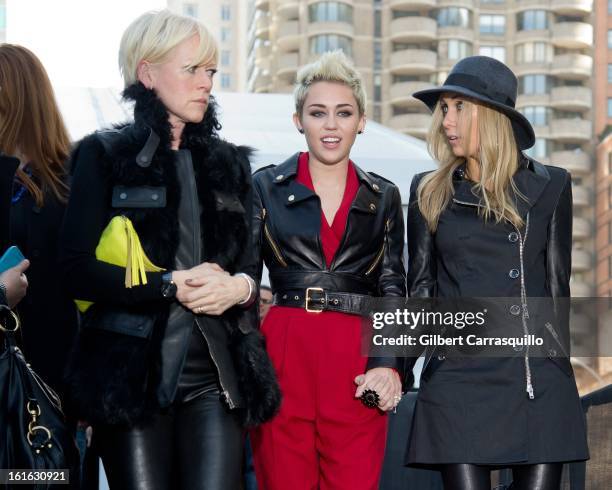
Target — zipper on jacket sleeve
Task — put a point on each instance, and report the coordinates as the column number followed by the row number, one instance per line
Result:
column 225, row 393
column 380, row 253
column 273, row 245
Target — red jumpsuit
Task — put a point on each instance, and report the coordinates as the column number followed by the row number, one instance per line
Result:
column 323, row 437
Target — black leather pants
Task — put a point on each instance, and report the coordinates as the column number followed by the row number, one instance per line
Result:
column 526, row 477
column 193, row 445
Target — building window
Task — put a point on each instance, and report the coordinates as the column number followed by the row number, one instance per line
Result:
column 226, row 34
column 454, row 17
column 537, row 115
column 609, row 38
column 225, row 57
column 609, row 107
column 609, row 72
column 2, row 16
column 190, row 9
column 458, row 49
column 492, row 24
column 226, row 12
column 531, row 20
column 226, row 80
column 610, row 6
column 539, row 150
column 497, row 52
column 330, row 12
column 534, row 52
column 534, row 85
column 330, row 42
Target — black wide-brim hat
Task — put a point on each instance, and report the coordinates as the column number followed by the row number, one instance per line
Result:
column 490, row 82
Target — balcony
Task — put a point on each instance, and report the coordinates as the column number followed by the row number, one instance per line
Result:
column 413, row 29
column 572, row 66
column 288, row 65
column 401, row 93
column 453, row 32
column 571, row 98
column 580, row 289
column 532, row 35
column 528, row 5
column 469, row 4
column 572, row 35
column 339, row 28
column 412, row 124
column 571, row 7
column 533, row 67
column 581, row 260
column 413, row 62
column 288, row 9
column 411, row 4
column 263, row 84
column 532, row 99
column 581, row 228
column 581, row 195
column 289, row 36
column 577, row 162
column 262, row 27
column 262, row 57
column 571, row 130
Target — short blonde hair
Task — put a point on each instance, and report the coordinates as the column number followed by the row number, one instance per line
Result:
column 332, row 66
column 154, row 34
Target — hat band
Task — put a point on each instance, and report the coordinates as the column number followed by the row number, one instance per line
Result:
column 477, row 85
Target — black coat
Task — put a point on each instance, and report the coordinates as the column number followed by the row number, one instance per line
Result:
column 477, row 410
column 48, row 316
column 286, row 229
column 117, row 377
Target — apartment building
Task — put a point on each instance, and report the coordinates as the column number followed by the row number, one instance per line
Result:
column 226, row 19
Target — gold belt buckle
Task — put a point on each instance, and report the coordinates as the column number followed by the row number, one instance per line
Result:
column 307, row 299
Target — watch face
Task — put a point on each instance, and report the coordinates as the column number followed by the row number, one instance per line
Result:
column 169, row 290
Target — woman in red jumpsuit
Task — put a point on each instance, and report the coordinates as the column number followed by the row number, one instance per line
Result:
column 331, row 235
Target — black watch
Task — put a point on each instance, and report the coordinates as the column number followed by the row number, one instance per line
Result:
column 168, row 288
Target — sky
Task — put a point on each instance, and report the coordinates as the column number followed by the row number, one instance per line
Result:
column 76, row 40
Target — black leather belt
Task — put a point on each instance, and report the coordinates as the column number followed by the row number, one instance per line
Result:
column 316, row 300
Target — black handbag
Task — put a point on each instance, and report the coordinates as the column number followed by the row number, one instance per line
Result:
column 33, row 431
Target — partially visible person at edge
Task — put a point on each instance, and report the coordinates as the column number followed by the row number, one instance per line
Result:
column 492, row 222
column 250, row 480
column 331, row 235
column 34, row 192
column 167, row 372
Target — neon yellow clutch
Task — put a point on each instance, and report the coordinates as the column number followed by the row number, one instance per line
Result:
column 119, row 245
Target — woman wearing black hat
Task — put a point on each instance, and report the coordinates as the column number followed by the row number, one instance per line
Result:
column 490, row 222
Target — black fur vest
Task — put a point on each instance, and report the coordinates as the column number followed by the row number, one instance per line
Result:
column 113, row 378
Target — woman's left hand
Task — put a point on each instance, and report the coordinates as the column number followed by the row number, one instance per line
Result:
column 386, row 382
column 213, row 293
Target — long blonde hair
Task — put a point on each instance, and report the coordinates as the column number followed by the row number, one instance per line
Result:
column 498, row 157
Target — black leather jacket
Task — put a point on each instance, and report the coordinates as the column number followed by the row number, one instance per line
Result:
column 286, row 226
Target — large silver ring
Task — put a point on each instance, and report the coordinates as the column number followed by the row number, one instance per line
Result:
column 199, row 310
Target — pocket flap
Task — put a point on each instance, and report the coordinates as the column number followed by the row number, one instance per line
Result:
column 138, row 197
column 120, row 321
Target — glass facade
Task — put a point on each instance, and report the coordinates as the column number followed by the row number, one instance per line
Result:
column 330, row 12
column 330, row 42
column 492, row 24
column 534, row 52
column 538, row 115
column 497, row 52
column 531, row 20
column 534, row 85
column 454, row 17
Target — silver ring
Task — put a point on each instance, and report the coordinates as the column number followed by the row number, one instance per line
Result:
column 199, row 310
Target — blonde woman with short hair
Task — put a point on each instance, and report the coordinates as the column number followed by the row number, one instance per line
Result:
column 170, row 369
column 492, row 222
column 331, row 235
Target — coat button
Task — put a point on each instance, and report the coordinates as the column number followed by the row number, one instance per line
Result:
column 515, row 310
column 123, row 195
column 518, row 348
column 514, row 273
column 375, row 187
column 552, row 353
column 155, row 197
column 372, row 206
column 291, row 198
column 513, row 237
column 279, row 177
column 441, row 357
column 143, row 159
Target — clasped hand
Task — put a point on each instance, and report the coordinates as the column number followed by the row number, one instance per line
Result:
column 208, row 289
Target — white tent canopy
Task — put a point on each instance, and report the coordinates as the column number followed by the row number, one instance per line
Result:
column 264, row 122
